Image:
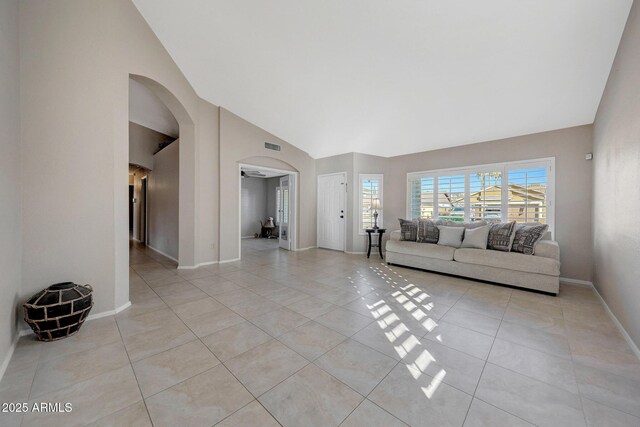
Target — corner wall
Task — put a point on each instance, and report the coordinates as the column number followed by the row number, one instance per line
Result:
column 10, row 184
column 616, row 183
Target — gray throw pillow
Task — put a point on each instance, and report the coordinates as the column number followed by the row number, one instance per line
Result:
column 476, row 238
column 527, row 237
column 408, row 230
column 450, row 236
column 501, row 236
column 428, row 231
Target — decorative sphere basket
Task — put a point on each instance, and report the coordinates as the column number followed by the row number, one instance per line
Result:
column 59, row 310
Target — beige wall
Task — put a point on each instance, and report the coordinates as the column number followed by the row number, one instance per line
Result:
column 573, row 184
column 76, row 58
column 163, row 203
column 616, row 183
column 143, row 143
column 10, row 186
column 243, row 142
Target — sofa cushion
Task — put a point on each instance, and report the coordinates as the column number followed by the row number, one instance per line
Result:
column 476, row 238
column 450, row 236
column 408, row 230
column 501, row 236
column 509, row 260
column 427, row 250
column 527, row 237
column 428, row 231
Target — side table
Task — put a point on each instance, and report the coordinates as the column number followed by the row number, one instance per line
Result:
column 379, row 232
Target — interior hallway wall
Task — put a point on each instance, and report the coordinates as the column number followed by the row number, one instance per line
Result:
column 76, row 59
column 143, row 144
column 616, row 199
column 253, row 205
column 10, row 183
column 163, row 193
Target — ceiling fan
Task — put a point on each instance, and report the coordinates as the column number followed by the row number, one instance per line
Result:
column 252, row 174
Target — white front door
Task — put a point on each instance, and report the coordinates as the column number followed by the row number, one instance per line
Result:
column 284, row 213
column 331, row 211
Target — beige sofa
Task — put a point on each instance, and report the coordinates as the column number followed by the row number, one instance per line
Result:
column 540, row 272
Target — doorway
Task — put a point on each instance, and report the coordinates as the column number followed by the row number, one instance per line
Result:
column 267, row 209
column 332, row 197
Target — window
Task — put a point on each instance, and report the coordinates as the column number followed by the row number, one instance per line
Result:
column 278, row 206
column 370, row 190
column 480, row 193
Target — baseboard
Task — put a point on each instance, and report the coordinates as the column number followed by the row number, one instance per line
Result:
column 23, row 332
column 576, row 281
column 192, row 267
column 109, row 312
column 161, row 253
column 305, row 249
column 621, row 328
column 226, row 261
column 355, row 253
column 7, row 357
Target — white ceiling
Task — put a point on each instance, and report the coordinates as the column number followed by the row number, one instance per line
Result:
column 146, row 109
column 266, row 172
column 393, row 77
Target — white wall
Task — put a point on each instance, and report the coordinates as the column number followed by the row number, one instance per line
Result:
column 10, row 185
column 616, row 180
column 163, row 203
column 253, row 205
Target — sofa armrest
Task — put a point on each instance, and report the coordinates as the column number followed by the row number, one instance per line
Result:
column 395, row 235
column 548, row 249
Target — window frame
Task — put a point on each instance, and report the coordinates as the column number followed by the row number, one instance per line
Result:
column 548, row 163
column 362, row 177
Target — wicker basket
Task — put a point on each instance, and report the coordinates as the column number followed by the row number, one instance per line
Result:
column 58, row 311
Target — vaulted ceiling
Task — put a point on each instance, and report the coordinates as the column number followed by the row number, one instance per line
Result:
column 390, row 77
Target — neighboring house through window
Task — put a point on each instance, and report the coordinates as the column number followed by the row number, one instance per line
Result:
column 370, row 190
column 514, row 191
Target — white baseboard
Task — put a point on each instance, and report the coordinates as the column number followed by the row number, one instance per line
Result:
column 161, row 253
column 623, row 331
column 305, row 249
column 226, row 261
column 7, row 357
column 355, row 253
column 192, row 267
column 576, row 281
column 22, row 332
column 621, row 328
column 109, row 312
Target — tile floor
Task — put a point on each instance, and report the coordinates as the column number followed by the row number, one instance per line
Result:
column 319, row 338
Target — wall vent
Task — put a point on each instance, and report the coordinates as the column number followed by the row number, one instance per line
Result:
column 270, row 146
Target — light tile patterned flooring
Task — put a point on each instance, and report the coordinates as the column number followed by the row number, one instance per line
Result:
column 320, row 338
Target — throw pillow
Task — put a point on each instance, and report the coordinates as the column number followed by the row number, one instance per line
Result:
column 428, row 231
column 450, row 236
column 476, row 237
column 466, row 225
column 527, row 237
column 408, row 230
column 501, row 236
